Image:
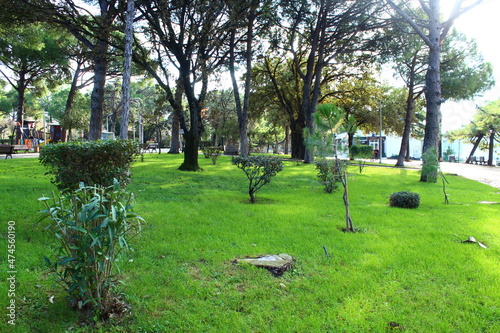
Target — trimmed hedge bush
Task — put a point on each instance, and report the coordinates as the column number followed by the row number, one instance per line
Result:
column 92, row 163
column 404, row 199
column 361, row 151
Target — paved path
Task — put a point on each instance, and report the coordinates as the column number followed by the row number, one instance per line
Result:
column 481, row 173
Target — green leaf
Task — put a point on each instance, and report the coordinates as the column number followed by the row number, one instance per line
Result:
column 66, row 260
column 47, row 261
column 82, row 230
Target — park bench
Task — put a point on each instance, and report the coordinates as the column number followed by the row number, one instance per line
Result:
column 473, row 160
column 149, row 147
column 17, row 148
column 152, row 146
column 7, row 150
column 481, row 160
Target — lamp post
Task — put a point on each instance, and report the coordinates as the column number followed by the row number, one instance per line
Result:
column 141, row 129
column 44, row 128
column 380, row 135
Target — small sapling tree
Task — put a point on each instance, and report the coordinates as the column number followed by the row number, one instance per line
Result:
column 321, row 143
column 327, row 121
column 444, row 181
column 212, row 152
column 259, row 170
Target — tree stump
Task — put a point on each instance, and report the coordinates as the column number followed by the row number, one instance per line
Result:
column 277, row 264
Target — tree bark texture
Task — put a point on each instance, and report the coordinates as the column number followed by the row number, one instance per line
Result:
column 21, row 90
column 348, row 221
column 175, row 140
column 433, row 84
column 97, row 96
column 491, row 148
column 71, row 98
column 312, row 78
column 297, row 135
column 405, row 140
column 190, row 162
column 127, row 69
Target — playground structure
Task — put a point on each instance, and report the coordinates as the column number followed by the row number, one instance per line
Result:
column 32, row 138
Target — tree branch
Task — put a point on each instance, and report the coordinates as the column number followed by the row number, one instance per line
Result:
column 411, row 22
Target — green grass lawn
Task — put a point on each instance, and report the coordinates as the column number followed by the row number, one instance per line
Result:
column 407, row 267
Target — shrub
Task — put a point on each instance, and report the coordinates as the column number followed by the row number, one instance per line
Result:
column 361, row 152
column 404, row 199
column 430, row 168
column 329, row 173
column 93, row 163
column 259, row 170
column 92, row 226
column 212, row 152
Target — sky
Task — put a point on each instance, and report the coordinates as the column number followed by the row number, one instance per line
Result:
column 483, row 24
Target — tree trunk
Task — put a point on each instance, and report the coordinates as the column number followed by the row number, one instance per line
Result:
column 407, row 157
column 348, row 221
column 240, row 109
column 405, row 140
column 476, row 144
column 127, row 69
column 315, row 64
column 190, row 152
column 298, row 147
column 350, row 141
column 71, row 98
column 193, row 134
column 21, row 90
column 175, row 140
column 287, row 139
column 175, row 143
column 433, row 84
column 491, row 148
column 251, row 193
column 97, row 96
column 159, row 138
column 243, row 123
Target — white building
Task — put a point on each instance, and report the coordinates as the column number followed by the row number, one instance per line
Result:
column 391, row 145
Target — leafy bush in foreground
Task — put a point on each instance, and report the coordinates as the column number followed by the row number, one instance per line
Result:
column 92, row 226
column 259, row 170
column 93, row 163
column 404, row 199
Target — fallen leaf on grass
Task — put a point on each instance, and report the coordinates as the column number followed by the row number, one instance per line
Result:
column 471, row 239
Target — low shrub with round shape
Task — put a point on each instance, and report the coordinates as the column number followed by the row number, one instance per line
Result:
column 404, row 199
